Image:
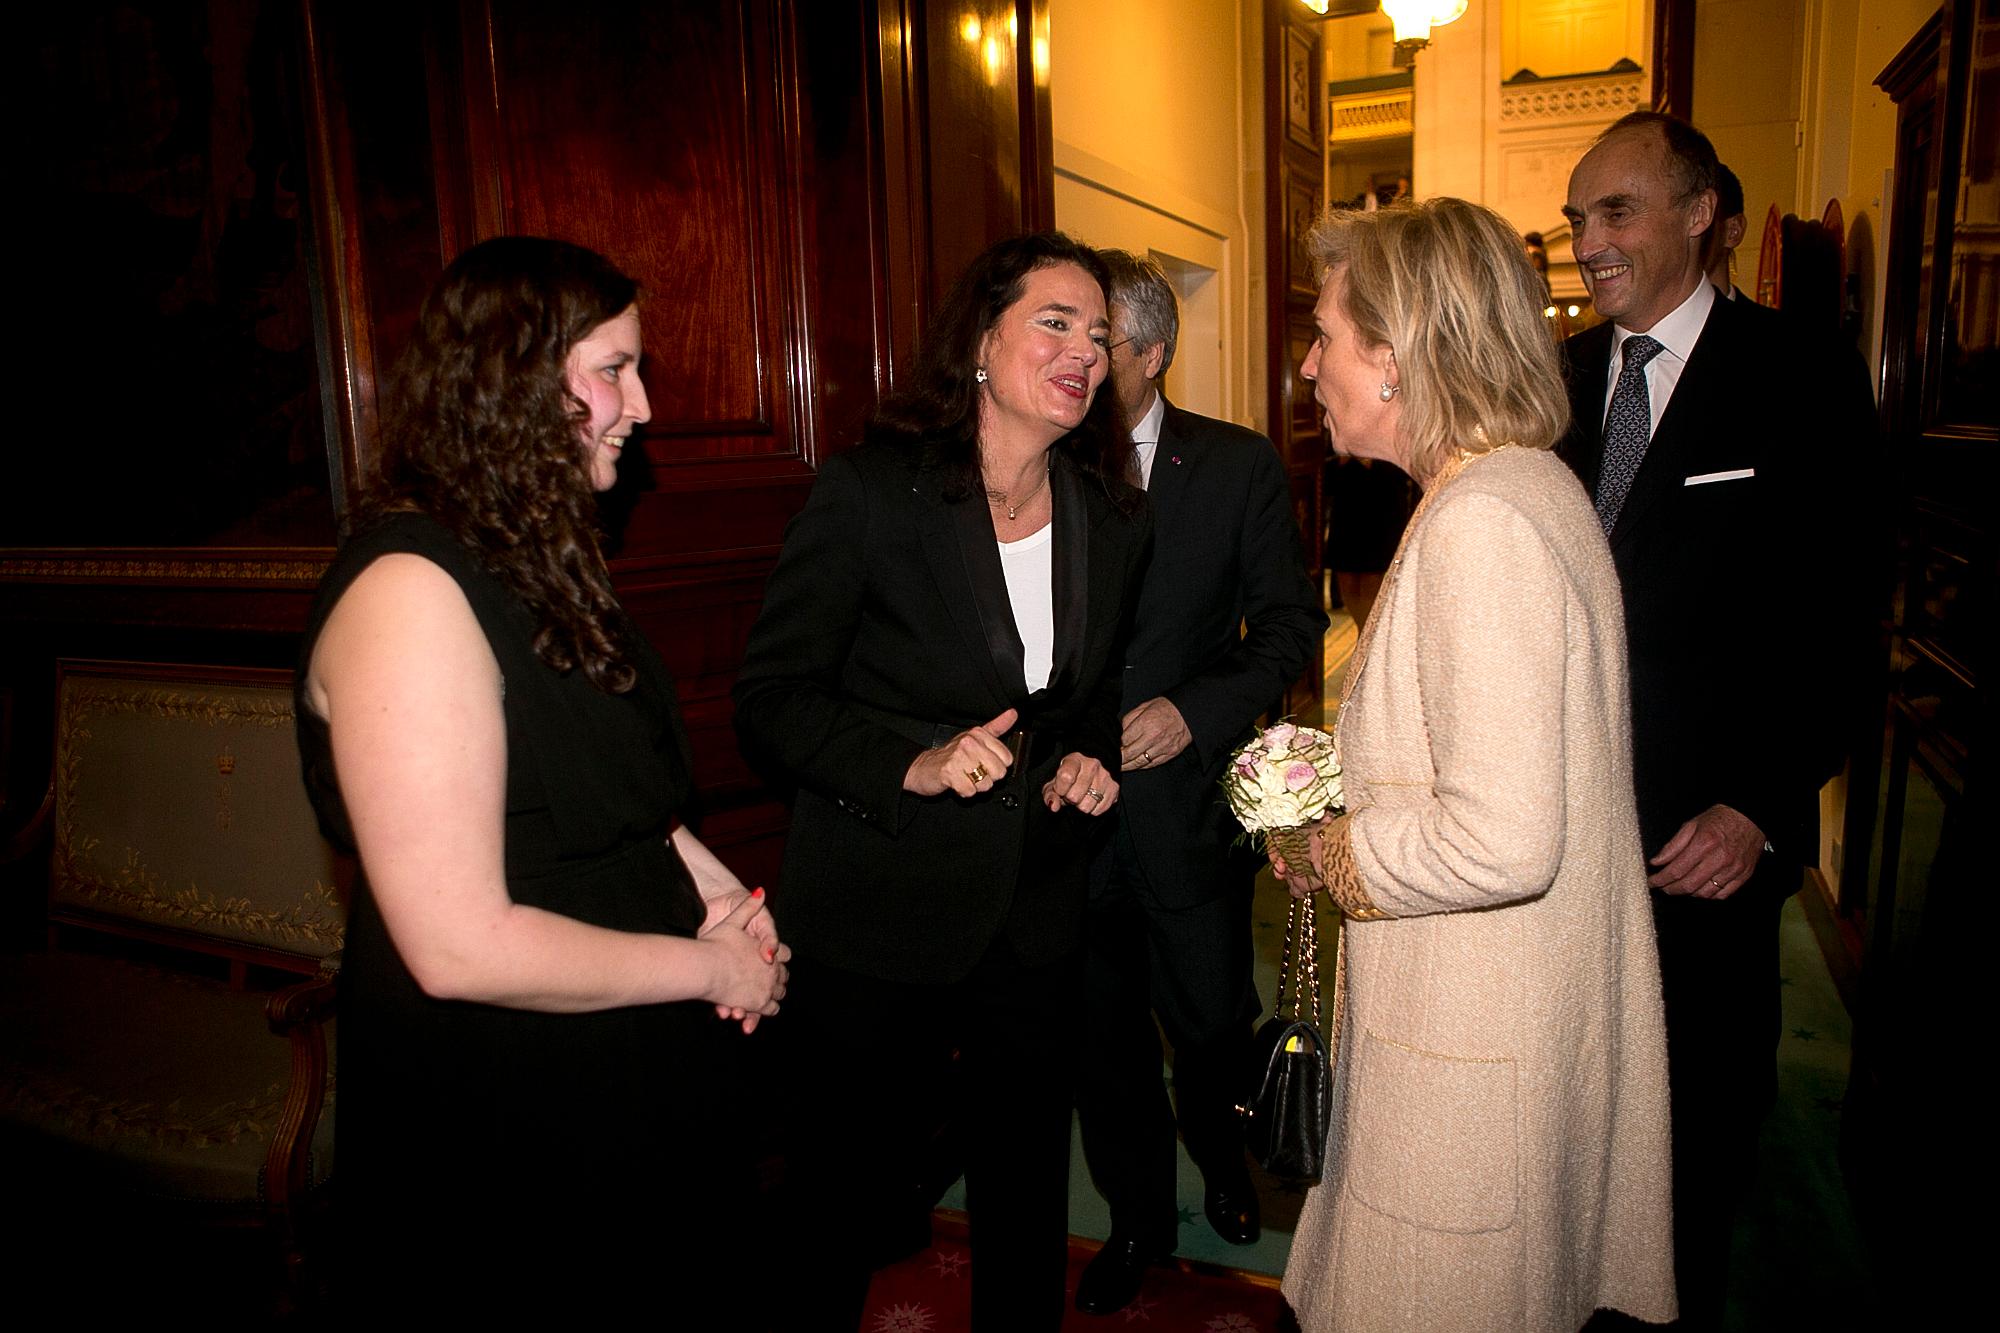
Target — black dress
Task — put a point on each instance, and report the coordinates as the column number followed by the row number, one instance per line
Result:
column 490, row 1156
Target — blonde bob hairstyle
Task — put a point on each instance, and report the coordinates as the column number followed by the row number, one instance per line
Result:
column 1447, row 286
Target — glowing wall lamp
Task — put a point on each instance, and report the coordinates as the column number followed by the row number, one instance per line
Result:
column 1414, row 20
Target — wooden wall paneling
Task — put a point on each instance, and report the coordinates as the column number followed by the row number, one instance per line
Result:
column 389, row 196
column 375, row 195
column 484, row 196
column 1918, row 848
column 670, row 139
column 645, row 134
column 1911, row 80
column 184, row 213
column 745, row 162
column 1038, row 152
column 345, row 340
column 973, row 135
column 855, row 247
column 1673, row 57
column 1295, row 190
column 989, row 144
column 170, row 234
column 896, row 107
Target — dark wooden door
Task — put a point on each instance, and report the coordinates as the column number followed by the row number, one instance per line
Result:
column 792, row 182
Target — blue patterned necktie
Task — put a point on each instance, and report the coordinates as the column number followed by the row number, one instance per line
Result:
column 1628, row 428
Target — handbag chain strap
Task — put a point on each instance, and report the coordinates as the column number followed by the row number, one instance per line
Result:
column 1301, row 958
column 1300, row 962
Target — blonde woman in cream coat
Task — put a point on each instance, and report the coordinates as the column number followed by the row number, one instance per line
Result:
column 1500, row 1155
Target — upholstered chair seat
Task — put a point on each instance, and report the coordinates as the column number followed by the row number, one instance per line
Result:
column 147, row 1079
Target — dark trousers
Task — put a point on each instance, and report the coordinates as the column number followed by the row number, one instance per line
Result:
column 1719, row 974
column 883, row 1068
column 1191, row 966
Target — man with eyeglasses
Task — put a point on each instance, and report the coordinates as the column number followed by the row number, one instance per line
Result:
column 1226, row 619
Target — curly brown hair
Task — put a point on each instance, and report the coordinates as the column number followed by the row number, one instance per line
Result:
column 482, row 433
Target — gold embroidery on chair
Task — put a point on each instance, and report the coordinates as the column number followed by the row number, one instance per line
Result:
column 316, row 919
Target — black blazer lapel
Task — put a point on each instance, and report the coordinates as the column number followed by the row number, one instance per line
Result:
column 1167, row 487
column 1660, row 471
column 1071, row 559
column 958, row 539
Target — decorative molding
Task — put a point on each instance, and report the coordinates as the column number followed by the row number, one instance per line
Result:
column 1590, row 97
column 1301, row 84
column 1535, row 175
column 161, row 567
column 210, row 710
column 1358, row 117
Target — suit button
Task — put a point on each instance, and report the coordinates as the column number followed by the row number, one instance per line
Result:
column 1010, row 802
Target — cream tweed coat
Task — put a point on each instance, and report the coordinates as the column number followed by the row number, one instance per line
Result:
column 1501, row 1137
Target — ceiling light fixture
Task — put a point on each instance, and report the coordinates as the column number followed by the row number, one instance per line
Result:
column 1414, row 19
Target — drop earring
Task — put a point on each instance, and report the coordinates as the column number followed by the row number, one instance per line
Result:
column 979, row 375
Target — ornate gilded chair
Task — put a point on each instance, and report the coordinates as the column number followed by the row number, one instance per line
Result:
column 162, row 1051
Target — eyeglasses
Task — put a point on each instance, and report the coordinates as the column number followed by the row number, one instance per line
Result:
column 1112, row 347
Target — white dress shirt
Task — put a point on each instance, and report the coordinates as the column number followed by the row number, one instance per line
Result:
column 1677, row 334
column 1146, row 438
column 1030, row 567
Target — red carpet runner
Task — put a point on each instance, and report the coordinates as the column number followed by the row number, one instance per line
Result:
column 931, row 1292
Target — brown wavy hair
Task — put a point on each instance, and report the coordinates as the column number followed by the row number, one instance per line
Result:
column 481, row 432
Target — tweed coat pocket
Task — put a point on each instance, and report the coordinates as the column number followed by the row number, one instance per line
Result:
column 1440, row 1132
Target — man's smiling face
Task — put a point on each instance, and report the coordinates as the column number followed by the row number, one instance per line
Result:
column 1637, row 241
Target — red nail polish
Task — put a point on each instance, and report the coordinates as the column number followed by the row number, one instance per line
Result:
column 757, row 893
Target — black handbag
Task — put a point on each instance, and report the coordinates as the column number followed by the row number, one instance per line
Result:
column 1291, row 1107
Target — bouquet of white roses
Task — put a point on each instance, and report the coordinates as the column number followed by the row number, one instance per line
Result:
column 1280, row 782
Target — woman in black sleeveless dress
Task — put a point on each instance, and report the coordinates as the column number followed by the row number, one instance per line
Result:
column 545, row 972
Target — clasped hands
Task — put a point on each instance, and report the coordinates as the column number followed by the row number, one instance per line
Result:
column 752, row 975
column 975, row 760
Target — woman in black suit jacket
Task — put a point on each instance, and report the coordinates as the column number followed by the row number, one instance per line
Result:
column 937, row 668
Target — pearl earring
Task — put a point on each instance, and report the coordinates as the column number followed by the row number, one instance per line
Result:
column 1389, row 390
column 979, row 375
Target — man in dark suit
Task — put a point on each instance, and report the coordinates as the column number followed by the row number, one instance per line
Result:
column 1719, row 255
column 1722, row 445
column 1227, row 618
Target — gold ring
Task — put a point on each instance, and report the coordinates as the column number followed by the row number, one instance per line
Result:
column 977, row 774
column 1092, row 791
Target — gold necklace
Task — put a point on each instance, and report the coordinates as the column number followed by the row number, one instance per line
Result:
column 1015, row 508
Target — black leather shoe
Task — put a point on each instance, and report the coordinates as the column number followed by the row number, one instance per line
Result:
column 1231, row 1205
column 1113, row 1277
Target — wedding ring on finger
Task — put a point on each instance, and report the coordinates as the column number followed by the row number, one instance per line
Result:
column 1093, row 793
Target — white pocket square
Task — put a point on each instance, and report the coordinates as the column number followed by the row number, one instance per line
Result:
column 1706, row 477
